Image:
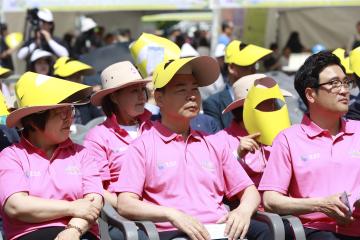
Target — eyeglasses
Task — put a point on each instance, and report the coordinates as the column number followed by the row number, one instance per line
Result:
column 337, row 84
column 65, row 112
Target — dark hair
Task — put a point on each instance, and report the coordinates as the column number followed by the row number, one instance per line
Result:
column 308, row 74
column 37, row 119
column 225, row 25
column 108, row 106
column 238, row 114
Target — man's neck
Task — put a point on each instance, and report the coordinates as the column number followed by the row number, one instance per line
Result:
column 179, row 126
column 328, row 121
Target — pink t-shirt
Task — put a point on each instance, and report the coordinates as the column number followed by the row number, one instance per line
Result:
column 68, row 175
column 190, row 175
column 107, row 142
column 306, row 161
column 253, row 163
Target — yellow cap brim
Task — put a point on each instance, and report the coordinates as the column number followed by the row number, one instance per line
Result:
column 249, row 55
column 72, row 67
column 355, row 61
column 5, row 72
column 204, row 69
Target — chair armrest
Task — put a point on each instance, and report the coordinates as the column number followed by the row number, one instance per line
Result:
column 275, row 223
column 111, row 216
column 296, row 226
column 149, row 228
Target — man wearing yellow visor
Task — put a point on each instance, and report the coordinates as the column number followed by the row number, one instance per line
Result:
column 177, row 177
column 241, row 59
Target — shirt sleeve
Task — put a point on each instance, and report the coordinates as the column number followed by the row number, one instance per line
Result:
column 278, row 172
column 58, row 49
column 13, row 177
column 132, row 173
column 98, row 151
column 91, row 180
column 235, row 177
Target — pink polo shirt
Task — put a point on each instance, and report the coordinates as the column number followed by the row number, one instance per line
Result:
column 190, row 175
column 68, row 175
column 107, row 142
column 253, row 163
column 306, row 161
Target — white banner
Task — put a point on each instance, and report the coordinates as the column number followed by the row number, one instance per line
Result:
column 284, row 3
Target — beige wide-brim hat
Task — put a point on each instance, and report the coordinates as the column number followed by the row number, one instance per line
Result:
column 37, row 92
column 115, row 77
column 241, row 88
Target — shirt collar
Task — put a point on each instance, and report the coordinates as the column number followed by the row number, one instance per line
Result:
column 313, row 130
column 112, row 123
column 34, row 149
column 167, row 135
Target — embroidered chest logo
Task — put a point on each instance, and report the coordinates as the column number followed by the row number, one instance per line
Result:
column 165, row 165
column 208, row 165
column 72, row 170
column 32, row 173
column 311, row 156
column 354, row 153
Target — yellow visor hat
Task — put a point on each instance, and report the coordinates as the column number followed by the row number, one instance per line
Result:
column 265, row 110
column 244, row 55
column 149, row 50
column 345, row 61
column 65, row 67
column 36, row 92
column 204, row 69
column 355, row 61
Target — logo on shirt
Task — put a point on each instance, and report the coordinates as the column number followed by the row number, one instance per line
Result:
column 355, row 153
column 32, row 173
column 165, row 165
column 72, row 170
column 311, row 156
column 121, row 149
column 208, row 165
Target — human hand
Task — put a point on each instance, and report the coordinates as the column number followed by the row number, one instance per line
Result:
column 68, row 234
column 85, row 209
column 237, row 223
column 46, row 35
column 333, row 207
column 248, row 144
column 189, row 225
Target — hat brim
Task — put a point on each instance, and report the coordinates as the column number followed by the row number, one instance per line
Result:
column 250, row 55
column 204, row 69
column 240, row 102
column 97, row 97
column 73, row 67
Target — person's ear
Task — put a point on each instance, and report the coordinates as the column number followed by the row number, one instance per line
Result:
column 159, row 98
column 231, row 69
column 310, row 94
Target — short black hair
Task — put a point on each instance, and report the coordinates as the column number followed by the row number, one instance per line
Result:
column 37, row 119
column 225, row 25
column 308, row 74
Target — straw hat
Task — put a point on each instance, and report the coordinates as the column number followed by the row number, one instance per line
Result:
column 205, row 70
column 355, row 61
column 65, row 67
column 36, row 92
column 241, row 88
column 115, row 77
column 245, row 56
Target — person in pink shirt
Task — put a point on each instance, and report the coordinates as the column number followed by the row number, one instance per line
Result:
column 177, row 177
column 314, row 169
column 122, row 99
column 50, row 188
column 251, row 154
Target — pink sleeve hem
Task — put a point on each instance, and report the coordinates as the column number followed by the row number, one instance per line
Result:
column 264, row 188
column 238, row 189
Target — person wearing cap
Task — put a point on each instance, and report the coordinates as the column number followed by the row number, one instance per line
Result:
column 313, row 168
column 240, row 59
column 88, row 39
column 177, row 177
column 57, row 193
column 41, row 62
column 43, row 38
column 74, row 70
column 250, row 152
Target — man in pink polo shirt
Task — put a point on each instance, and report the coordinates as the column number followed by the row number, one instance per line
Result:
column 314, row 163
column 177, row 177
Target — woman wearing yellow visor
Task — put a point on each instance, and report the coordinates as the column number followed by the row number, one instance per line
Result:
column 75, row 71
